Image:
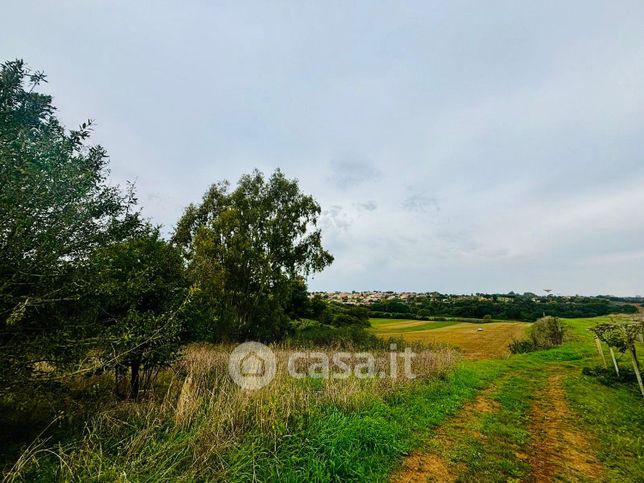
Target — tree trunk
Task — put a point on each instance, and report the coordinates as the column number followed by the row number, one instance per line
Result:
column 120, row 376
column 135, row 380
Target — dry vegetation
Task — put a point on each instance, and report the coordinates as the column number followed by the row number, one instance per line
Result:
column 201, row 416
column 476, row 341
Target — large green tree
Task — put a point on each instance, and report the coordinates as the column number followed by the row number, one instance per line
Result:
column 246, row 247
column 56, row 209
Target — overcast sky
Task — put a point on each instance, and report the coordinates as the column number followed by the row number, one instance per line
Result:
column 453, row 146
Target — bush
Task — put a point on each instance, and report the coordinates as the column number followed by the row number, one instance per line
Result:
column 311, row 333
column 522, row 346
column 345, row 316
column 545, row 333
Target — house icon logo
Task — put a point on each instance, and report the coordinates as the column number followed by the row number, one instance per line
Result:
column 252, row 365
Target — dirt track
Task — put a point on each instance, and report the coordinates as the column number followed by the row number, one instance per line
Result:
column 559, row 448
column 556, row 451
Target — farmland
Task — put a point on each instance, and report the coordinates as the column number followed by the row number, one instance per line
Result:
column 474, row 340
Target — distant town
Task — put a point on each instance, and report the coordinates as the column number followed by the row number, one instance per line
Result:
column 372, row 296
column 369, row 297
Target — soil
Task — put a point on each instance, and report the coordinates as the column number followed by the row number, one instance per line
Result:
column 559, row 448
column 559, row 451
column 431, row 465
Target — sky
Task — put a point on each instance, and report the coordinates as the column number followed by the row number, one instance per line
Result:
column 457, row 146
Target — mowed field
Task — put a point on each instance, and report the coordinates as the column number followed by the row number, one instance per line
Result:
column 475, row 340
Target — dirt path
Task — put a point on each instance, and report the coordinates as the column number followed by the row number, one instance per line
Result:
column 559, row 449
column 555, row 449
column 431, row 465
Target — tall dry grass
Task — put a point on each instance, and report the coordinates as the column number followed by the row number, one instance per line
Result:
column 195, row 424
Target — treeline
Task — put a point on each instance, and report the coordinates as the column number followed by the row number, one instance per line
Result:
column 627, row 300
column 526, row 307
column 87, row 285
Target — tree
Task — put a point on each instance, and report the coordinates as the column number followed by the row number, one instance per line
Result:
column 140, row 287
column 245, row 249
column 56, row 209
column 297, row 304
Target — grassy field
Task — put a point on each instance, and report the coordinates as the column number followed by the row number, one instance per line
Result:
column 540, row 419
column 474, row 340
column 530, row 417
column 406, row 325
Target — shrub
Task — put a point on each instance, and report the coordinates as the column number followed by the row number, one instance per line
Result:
column 521, row 346
column 547, row 332
column 312, row 333
column 345, row 316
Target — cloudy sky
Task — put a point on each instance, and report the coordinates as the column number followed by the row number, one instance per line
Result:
column 458, row 146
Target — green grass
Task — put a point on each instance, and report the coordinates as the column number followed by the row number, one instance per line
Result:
column 367, row 443
column 375, row 322
column 493, row 456
column 363, row 445
column 613, row 413
column 408, row 420
column 616, row 415
column 332, row 444
column 383, row 325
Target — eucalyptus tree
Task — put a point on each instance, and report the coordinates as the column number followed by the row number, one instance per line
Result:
column 246, row 248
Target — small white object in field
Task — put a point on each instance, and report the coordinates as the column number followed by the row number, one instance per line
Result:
column 480, row 329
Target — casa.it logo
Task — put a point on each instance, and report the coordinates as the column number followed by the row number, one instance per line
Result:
column 252, row 365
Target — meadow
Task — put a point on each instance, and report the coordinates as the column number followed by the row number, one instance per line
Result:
column 543, row 415
column 475, row 340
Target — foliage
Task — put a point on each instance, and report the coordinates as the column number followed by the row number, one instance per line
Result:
column 140, row 285
column 522, row 346
column 621, row 336
column 246, row 248
column 526, row 307
column 345, row 315
column 56, row 209
column 545, row 333
column 312, row 333
column 299, row 305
